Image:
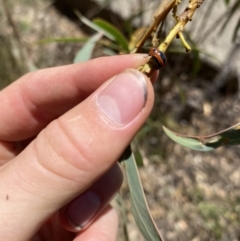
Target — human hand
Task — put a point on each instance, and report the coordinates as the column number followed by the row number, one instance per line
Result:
column 62, row 132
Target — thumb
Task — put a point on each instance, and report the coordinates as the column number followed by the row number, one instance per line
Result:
column 71, row 153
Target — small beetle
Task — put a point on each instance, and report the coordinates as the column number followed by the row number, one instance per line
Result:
column 158, row 58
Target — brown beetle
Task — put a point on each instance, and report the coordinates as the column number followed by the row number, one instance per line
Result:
column 158, row 58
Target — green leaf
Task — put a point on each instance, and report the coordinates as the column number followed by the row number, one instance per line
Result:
column 94, row 26
column 62, row 40
column 138, row 158
column 109, row 28
column 108, row 52
column 189, row 142
column 85, row 52
column 31, row 66
column 227, row 137
column 139, row 205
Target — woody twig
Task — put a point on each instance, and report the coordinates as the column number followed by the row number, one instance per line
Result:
column 176, row 31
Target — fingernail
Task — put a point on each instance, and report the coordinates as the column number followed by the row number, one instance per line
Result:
column 83, row 209
column 123, row 99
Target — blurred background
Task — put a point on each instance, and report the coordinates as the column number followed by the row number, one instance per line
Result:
column 192, row 195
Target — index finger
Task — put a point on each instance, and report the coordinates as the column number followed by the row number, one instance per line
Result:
column 37, row 98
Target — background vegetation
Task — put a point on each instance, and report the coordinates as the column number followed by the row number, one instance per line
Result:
column 193, row 196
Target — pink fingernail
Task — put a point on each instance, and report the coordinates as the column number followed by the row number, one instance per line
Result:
column 83, row 209
column 123, row 99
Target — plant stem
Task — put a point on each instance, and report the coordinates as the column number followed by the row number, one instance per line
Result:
column 157, row 20
column 177, row 30
column 183, row 19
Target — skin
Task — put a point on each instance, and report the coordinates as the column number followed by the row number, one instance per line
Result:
column 55, row 145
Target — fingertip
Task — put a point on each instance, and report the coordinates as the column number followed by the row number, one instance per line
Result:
column 84, row 209
column 104, row 228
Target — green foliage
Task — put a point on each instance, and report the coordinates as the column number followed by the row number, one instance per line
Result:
column 62, row 40
column 211, row 214
column 85, row 52
column 138, row 158
column 189, row 142
column 139, row 205
column 118, row 37
column 107, row 30
column 230, row 136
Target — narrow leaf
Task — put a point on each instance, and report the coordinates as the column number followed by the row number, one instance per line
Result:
column 138, row 158
column 109, row 28
column 139, row 205
column 85, row 52
column 31, row 66
column 62, row 40
column 227, row 137
column 94, row 26
column 108, row 52
column 189, row 142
